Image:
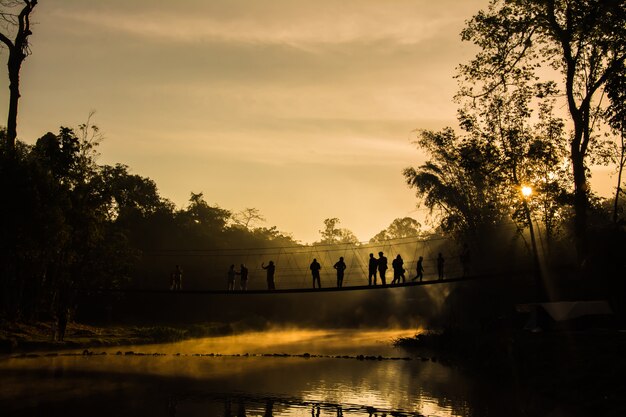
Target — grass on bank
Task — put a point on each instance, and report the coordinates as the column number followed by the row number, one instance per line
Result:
column 23, row 336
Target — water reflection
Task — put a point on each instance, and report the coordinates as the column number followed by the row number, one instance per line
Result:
column 179, row 385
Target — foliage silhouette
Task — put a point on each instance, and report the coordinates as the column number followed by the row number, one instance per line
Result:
column 16, row 18
column 583, row 41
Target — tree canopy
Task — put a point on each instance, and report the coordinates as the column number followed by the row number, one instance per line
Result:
column 15, row 18
column 579, row 43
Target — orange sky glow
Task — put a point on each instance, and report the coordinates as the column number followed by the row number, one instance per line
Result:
column 303, row 110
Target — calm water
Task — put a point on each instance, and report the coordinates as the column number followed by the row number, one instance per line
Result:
column 180, row 383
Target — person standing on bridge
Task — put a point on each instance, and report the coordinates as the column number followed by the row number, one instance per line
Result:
column 382, row 268
column 373, row 265
column 315, row 272
column 177, row 279
column 398, row 270
column 243, row 272
column 270, row 268
column 440, row 262
column 340, row 266
column 420, row 269
column 230, row 278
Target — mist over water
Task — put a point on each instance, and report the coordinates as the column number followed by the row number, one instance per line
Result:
column 292, row 341
column 181, row 383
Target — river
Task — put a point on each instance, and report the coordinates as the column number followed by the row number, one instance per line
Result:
column 283, row 372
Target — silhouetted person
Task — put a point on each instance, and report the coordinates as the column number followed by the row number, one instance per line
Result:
column 315, row 411
column 230, row 276
column 269, row 409
column 440, row 262
column 243, row 272
column 465, row 260
column 177, row 278
column 382, row 268
column 373, row 265
column 398, row 270
column 270, row 268
column 315, row 272
column 420, row 269
column 340, row 266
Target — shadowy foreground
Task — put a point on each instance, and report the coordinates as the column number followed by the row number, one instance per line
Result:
column 26, row 337
column 583, row 368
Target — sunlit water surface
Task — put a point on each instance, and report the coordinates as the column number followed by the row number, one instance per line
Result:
column 182, row 383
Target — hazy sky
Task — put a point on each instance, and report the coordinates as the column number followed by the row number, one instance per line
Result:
column 302, row 109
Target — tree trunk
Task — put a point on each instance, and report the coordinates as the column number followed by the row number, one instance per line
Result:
column 14, row 65
column 620, row 169
column 18, row 50
column 580, row 204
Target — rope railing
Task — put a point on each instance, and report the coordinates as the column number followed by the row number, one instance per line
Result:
column 290, row 290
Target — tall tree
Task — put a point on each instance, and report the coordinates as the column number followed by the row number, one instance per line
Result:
column 400, row 228
column 248, row 217
column 531, row 150
column 16, row 18
column 616, row 116
column 461, row 180
column 583, row 40
column 332, row 234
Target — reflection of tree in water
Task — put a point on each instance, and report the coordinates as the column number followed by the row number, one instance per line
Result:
column 236, row 406
column 227, row 412
column 228, row 409
column 241, row 411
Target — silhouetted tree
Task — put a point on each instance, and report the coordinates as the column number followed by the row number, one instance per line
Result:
column 616, row 116
column 331, row 234
column 400, row 228
column 132, row 195
column 17, row 29
column 529, row 151
column 201, row 225
column 248, row 217
column 585, row 41
column 56, row 232
column 461, row 180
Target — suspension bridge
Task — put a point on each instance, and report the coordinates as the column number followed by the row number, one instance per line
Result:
column 292, row 290
column 293, row 274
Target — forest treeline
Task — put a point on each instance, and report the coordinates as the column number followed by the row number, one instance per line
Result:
column 540, row 104
column 71, row 223
column 68, row 222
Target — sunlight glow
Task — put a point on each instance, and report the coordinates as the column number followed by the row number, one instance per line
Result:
column 526, row 191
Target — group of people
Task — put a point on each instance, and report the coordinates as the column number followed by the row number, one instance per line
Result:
column 377, row 268
column 340, row 266
column 231, row 275
column 243, row 274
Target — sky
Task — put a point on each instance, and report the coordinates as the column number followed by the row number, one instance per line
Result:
column 304, row 110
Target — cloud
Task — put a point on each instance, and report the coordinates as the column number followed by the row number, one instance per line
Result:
column 296, row 23
column 245, row 98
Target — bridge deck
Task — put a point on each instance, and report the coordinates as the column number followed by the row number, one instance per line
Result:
column 291, row 290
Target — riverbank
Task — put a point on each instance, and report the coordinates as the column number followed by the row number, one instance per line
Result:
column 19, row 337
column 584, row 369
